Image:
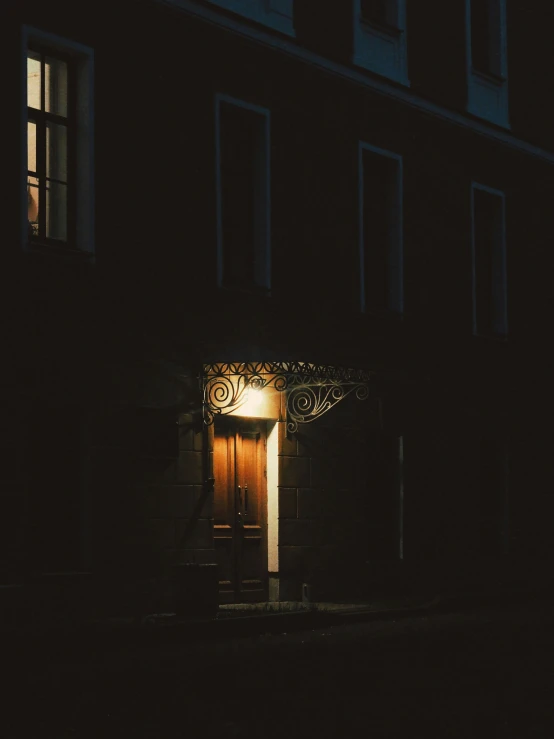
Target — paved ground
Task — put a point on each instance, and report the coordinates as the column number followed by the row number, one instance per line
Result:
column 481, row 674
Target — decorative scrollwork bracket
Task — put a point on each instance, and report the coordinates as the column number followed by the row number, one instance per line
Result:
column 311, row 390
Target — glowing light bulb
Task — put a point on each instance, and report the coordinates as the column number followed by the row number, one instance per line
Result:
column 253, row 402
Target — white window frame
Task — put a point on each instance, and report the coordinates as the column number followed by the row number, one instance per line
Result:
column 395, row 257
column 382, row 49
column 500, row 331
column 262, row 267
column 83, row 57
column 276, row 14
column 487, row 94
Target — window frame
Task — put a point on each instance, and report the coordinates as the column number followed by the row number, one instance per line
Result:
column 266, row 12
column 388, row 23
column 395, row 250
column 80, row 59
column 382, row 47
column 74, row 420
column 42, row 118
column 487, row 91
column 501, row 472
column 498, row 334
column 263, row 251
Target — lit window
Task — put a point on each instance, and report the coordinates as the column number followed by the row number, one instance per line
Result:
column 48, row 136
column 58, row 115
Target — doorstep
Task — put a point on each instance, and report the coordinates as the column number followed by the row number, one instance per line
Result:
column 247, row 620
column 242, row 610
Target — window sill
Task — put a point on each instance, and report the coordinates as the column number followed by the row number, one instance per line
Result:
column 492, row 338
column 487, row 98
column 384, row 314
column 384, row 28
column 381, row 50
column 490, row 77
column 252, row 291
column 50, row 250
column 257, row 12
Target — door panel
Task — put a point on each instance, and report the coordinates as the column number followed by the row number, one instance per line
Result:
column 240, row 523
column 224, row 518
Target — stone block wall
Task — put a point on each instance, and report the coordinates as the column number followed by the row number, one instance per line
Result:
column 152, row 509
column 324, row 484
column 462, row 533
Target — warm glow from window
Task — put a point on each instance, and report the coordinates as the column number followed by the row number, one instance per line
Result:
column 47, row 146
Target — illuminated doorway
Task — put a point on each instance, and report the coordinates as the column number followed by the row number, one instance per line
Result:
column 241, row 509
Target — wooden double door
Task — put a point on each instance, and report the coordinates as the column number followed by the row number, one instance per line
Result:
column 240, row 509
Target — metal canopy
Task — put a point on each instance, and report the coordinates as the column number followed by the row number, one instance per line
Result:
column 310, row 389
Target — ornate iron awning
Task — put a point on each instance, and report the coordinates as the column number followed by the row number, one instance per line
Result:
column 311, row 389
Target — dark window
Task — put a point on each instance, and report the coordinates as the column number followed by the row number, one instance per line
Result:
column 492, row 498
column 55, row 508
column 50, row 121
column 485, row 36
column 244, row 196
column 375, row 11
column 380, row 214
column 13, row 545
column 489, row 276
column 383, row 503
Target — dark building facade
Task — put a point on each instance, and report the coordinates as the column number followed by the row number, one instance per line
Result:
column 276, row 295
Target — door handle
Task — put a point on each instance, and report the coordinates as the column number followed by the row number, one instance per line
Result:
column 240, row 522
